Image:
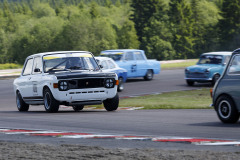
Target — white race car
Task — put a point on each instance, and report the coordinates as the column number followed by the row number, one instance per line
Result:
column 71, row 78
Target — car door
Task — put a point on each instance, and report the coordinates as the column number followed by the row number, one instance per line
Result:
column 36, row 78
column 130, row 64
column 142, row 64
column 24, row 82
column 231, row 80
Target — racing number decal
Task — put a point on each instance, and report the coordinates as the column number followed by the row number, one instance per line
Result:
column 134, row 68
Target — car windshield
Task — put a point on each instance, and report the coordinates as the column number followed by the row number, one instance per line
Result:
column 69, row 61
column 116, row 56
column 210, row 59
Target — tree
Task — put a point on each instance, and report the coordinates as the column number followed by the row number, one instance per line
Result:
column 127, row 37
column 180, row 14
column 143, row 10
column 229, row 25
column 205, row 19
column 43, row 10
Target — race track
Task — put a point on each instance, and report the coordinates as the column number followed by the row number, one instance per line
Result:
column 197, row 123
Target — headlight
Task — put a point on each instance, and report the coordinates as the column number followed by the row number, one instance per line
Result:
column 207, row 70
column 186, row 70
column 109, row 83
column 63, row 85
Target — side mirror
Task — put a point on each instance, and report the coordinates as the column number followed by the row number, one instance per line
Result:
column 37, row 70
column 101, row 66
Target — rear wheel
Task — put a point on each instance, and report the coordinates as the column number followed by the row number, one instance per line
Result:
column 78, row 108
column 112, row 103
column 226, row 110
column 50, row 103
column 121, row 84
column 149, row 75
column 21, row 105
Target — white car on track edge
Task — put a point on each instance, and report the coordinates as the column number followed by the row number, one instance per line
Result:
column 71, row 78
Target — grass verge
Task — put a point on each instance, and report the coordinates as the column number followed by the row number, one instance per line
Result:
column 192, row 99
column 181, row 64
column 10, row 66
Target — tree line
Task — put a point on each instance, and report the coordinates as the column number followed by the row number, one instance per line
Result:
column 165, row 29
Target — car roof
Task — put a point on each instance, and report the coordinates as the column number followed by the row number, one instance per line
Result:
column 49, row 53
column 103, row 58
column 223, row 53
column 121, row 50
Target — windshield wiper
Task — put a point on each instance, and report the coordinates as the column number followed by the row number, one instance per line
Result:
column 51, row 69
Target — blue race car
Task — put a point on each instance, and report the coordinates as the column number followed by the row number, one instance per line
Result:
column 108, row 65
column 135, row 62
column 208, row 69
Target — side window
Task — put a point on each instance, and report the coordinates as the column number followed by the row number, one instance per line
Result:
column 37, row 65
column 139, row 56
column 129, row 56
column 227, row 58
column 111, row 64
column 234, row 67
column 28, row 67
column 105, row 65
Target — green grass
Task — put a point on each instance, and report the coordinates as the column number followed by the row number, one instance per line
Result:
column 192, row 99
column 10, row 66
column 178, row 64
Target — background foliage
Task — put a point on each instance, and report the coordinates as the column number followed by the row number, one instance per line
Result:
column 165, row 29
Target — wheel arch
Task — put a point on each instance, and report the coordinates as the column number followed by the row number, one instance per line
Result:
column 45, row 87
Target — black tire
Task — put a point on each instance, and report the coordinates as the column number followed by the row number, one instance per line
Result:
column 215, row 78
column 50, row 103
column 190, row 83
column 111, row 104
column 149, row 75
column 78, row 108
column 21, row 105
column 226, row 110
column 120, row 85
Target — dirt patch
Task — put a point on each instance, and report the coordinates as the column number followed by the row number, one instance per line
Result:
column 13, row 150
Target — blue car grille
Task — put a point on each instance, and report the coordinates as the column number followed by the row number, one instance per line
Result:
column 196, row 75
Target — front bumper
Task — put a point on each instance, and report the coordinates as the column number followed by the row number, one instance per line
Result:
column 199, row 79
column 86, row 96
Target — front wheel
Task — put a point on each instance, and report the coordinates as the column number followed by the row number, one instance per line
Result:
column 111, row 104
column 21, row 105
column 190, row 83
column 50, row 103
column 226, row 110
column 78, row 108
column 149, row 75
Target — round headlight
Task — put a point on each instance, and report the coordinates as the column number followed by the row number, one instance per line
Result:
column 109, row 83
column 207, row 70
column 63, row 85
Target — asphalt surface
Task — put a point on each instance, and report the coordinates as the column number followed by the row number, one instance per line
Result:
column 182, row 123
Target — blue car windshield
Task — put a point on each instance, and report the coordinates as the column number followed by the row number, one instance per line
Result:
column 210, row 59
column 116, row 56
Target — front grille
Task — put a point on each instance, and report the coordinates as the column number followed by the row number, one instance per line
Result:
column 196, row 75
column 90, row 83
